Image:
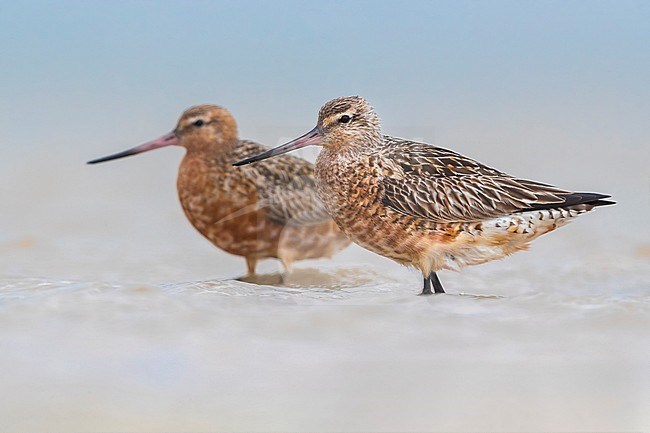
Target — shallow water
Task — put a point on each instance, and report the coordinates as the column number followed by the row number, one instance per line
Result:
column 355, row 350
column 116, row 316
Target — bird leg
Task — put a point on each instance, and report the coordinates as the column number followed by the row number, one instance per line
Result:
column 286, row 265
column 251, row 263
column 435, row 281
column 427, row 287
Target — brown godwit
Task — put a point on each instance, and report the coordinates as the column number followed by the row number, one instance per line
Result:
column 269, row 210
column 422, row 205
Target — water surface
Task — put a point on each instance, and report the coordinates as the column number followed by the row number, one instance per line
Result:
column 115, row 315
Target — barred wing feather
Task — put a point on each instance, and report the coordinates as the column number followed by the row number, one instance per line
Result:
column 285, row 186
column 440, row 185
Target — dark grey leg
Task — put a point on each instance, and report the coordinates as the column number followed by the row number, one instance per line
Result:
column 427, row 287
column 435, row 281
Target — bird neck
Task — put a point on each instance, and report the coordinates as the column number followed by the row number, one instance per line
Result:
column 216, row 151
column 359, row 145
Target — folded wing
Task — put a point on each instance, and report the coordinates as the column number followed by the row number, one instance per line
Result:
column 285, row 186
column 440, row 185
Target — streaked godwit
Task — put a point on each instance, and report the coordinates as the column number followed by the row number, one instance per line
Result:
column 268, row 210
column 422, row 205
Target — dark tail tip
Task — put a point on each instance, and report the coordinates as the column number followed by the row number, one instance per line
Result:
column 584, row 199
column 602, row 202
column 591, row 198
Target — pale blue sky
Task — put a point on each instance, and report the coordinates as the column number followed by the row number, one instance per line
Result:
column 557, row 91
column 66, row 60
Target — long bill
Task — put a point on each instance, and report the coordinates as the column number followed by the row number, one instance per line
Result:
column 310, row 138
column 166, row 140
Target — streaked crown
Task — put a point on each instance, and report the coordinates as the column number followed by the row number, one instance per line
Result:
column 205, row 126
column 348, row 120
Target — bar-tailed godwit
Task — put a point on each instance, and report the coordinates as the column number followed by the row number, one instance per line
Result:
column 422, row 205
column 269, row 210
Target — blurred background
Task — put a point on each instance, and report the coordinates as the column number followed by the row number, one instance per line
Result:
column 113, row 312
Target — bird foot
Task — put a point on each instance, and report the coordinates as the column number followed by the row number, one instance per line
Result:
column 266, row 279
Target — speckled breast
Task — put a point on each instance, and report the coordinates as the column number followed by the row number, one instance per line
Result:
column 224, row 210
column 351, row 191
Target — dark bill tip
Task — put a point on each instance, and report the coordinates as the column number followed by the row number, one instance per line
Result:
column 111, row 157
column 252, row 159
column 312, row 137
column 169, row 139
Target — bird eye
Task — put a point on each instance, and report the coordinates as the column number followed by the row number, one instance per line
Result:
column 199, row 123
column 344, row 119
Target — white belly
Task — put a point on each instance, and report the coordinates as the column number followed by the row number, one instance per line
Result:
column 496, row 238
